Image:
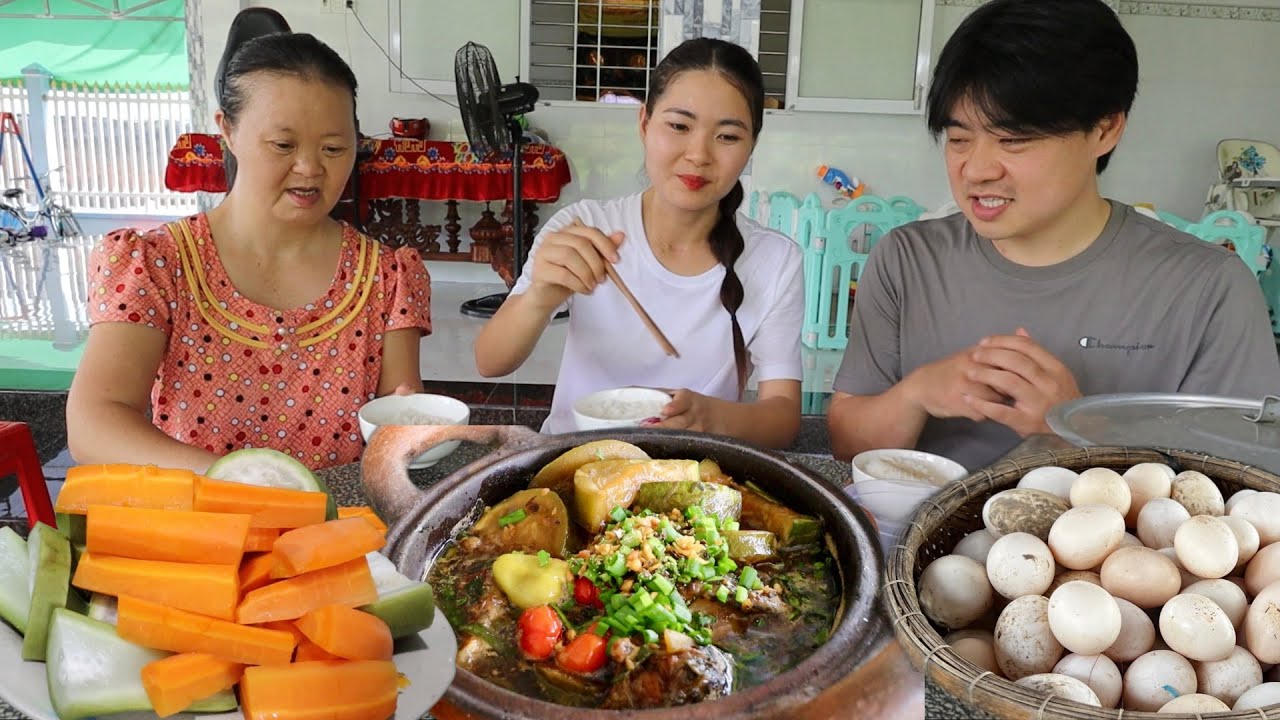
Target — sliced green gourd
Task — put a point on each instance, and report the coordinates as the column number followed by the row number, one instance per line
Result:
column 599, row 487
column 530, row 520
column 49, row 554
column 219, row 702
column 792, row 528
column 721, row 501
column 407, row 606
column 15, row 574
column 751, row 546
column 102, row 608
column 73, row 527
column 92, row 671
column 270, row 468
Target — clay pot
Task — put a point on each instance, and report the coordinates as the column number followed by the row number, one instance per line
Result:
column 422, row 522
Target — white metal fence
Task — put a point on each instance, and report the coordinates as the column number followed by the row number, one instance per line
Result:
column 13, row 99
column 108, row 146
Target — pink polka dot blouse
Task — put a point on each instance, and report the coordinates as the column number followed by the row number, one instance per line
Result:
column 237, row 374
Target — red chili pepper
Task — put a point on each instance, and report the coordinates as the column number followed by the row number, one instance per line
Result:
column 586, row 593
column 538, row 630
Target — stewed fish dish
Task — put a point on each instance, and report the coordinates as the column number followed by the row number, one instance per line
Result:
column 621, row 581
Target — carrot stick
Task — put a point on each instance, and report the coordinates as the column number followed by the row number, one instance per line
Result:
column 255, row 571
column 320, row 690
column 350, row 584
column 365, row 512
column 347, row 633
column 320, row 546
column 165, row 628
column 261, row 539
column 172, row 535
column 267, row 507
column 212, row 590
column 308, row 651
column 175, row 682
column 144, row 486
column 288, row 626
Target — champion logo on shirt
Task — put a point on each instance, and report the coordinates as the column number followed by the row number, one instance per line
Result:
column 1090, row 342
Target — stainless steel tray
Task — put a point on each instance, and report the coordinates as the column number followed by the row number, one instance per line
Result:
column 1247, row 431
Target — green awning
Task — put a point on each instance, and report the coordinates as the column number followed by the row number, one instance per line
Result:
column 79, row 44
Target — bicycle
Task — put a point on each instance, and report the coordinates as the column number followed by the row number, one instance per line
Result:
column 20, row 224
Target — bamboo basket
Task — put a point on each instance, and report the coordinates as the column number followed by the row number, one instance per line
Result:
column 955, row 511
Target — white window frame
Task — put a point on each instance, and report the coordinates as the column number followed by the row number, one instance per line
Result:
column 404, row 83
column 914, row 106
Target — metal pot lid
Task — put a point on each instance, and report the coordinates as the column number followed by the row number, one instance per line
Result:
column 1246, row 431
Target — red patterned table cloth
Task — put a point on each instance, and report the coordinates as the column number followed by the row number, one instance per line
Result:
column 399, row 168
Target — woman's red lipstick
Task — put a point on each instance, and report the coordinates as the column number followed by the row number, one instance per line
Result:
column 694, row 182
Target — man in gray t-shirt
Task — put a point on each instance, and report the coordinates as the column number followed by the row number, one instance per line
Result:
column 968, row 329
column 1144, row 308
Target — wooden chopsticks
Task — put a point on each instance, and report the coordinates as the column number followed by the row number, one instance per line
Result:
column 667, row 347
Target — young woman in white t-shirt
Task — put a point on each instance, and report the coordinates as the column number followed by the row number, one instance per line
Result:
column 725, row 290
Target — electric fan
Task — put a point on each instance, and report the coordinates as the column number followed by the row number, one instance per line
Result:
column 490, row 114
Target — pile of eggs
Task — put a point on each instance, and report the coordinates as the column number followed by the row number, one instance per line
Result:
column 1145, row 591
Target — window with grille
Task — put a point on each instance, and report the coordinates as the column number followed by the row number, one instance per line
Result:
column 593, row 50
column 775, row 43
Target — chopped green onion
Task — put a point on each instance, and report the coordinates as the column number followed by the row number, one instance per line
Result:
column 641, row 600
column 740, row 596
column 650, row 636
column 731, row 526
column 512, row 517
column 618, row 514
column 617, row 565
column 749, row 579
column 544, row 558
column 601, row 629
column 664, row 585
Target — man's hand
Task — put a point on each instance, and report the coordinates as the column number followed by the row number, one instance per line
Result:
column 1030, row 376
column 941, row 388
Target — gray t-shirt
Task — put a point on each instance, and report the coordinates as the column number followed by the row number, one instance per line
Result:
column 1145, row 308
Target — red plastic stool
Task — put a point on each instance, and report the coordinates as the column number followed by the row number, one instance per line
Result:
column 18, row 456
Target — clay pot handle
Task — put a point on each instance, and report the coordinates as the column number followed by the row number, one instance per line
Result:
column 384, row 469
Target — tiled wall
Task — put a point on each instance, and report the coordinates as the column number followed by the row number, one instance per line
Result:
column 1209, row 70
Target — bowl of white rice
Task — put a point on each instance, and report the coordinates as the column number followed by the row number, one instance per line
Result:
column 892, row 482
column 620, row 407
column 417, row 409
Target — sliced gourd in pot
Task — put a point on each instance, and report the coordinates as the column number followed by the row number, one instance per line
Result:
column 15, row 582
column 558, row 474
column 721, row 501
column 751, row 546
column 599, row 487
column 530, row 520
column 407, row 606
column 791, row 528
column 270, row 468
column 92, row 671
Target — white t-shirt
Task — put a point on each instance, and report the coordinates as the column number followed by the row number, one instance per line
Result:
column 608, row 345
